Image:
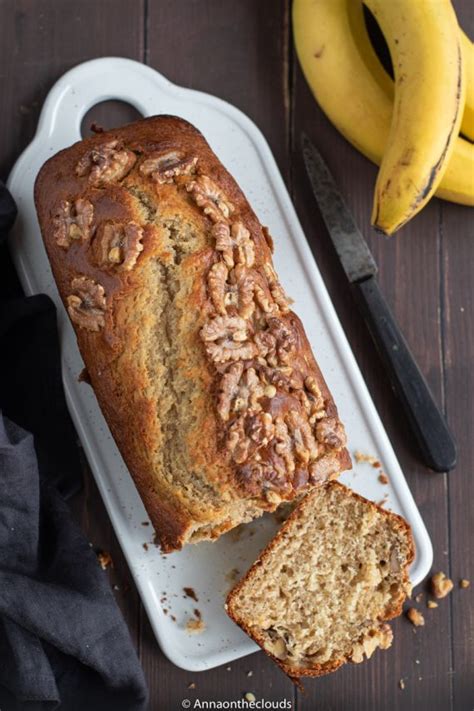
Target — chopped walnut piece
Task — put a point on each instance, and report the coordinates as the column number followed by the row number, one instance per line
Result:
column 209, row 197
column 163, row 166
column 381, row 637
column 195, row 626
column 105, row 560
column 228, row 389
column 285, row 340
column 276, row 289
column 305, row 445
column 245, row 247
column 324, row 468
column 106, row 162
column 248, row 433
column 73, row 221
column 86, row 305
column 259, row 428
column 118, row 245
column 243, row 284
column 277, row 647
column 441, row 585
column 283, row 447
column 249, row 392
column 330, row 432
column 216, row 284
column 224, row 244
column 226, row 338
column 432, row 604
column 234, row 243
column 464, row 584
column 415, row 617
column 361, row 457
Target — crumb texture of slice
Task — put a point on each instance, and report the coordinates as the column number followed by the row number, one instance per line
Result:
column 322, row 590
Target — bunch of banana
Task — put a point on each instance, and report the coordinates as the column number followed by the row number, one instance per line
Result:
column 409, row 126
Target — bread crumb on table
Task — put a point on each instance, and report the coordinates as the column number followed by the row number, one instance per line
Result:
column 105, row 560
column 419, row 597
column 191, row 685
column 369, row 458
column 464, row 584
column 189, row 592
column 401, row 684
column 431, row 604
column 195, row 625
column 249, row 696
column 441, row 585
column 383, row 478
column 415, row 617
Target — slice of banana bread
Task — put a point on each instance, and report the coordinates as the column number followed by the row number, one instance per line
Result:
column 320, row 593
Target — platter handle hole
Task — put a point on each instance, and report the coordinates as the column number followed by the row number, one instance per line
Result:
column 107, row 115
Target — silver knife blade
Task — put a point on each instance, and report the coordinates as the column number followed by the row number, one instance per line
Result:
column 351, row 247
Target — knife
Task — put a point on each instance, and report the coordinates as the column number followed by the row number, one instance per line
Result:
column 429, row 427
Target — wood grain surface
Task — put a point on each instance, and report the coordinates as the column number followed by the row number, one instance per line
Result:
column 241, row 51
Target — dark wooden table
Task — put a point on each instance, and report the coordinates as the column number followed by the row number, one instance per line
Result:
column 241, row 50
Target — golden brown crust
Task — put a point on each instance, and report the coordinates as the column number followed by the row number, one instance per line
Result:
column 106, row 207
column 300, row 511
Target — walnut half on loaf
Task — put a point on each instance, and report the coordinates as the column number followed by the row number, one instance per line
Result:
column 204, row 374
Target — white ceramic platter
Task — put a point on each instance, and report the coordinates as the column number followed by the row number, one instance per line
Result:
column 206, row 567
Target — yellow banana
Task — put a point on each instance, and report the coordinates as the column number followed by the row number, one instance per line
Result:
column 359, row 30
column 424, row 42
column 354, row 90
column 467, row 124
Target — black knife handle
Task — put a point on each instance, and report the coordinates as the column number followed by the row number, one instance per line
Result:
column 427, row 422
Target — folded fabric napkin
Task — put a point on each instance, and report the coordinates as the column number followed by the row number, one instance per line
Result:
column 63, row 641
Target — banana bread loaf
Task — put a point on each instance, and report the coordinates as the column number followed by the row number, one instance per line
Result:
column 324, row 587
column 203, row 373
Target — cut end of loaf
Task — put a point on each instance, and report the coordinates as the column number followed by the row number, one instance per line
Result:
column 322, row 590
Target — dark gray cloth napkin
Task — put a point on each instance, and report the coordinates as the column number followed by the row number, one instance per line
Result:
column 63, row 642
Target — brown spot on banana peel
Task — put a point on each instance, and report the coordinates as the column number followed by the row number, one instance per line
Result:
column 319, row 53
column 435, row 169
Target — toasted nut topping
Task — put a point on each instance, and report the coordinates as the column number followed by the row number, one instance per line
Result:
column 330, row 432
column 441, row 585
column 118, row 245
column 105, row 560
column 209, row 197
column 216, row 283
column 229, row 389
column 86, row 305
column 323, row 469
column 415, row 617
column 276, row 289
column 381, row 637
column 73, row 222
column 305, row 445
column 165, row 165
column 245, row 248
column 106, row 163
column 226, row 338
column 224, row 243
